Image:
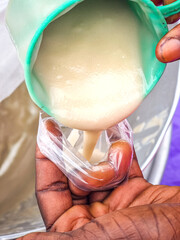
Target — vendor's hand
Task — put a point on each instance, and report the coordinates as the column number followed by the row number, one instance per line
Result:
column 168, row 49
column 134, row 210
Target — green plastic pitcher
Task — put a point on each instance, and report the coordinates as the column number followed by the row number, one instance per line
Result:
column 26, row 21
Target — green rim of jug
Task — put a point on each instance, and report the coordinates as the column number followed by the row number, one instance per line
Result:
column 160, row 13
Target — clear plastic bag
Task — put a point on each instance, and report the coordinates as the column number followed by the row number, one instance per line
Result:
column 63, row 146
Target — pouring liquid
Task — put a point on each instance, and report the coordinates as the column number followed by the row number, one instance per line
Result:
column 89, row 63
column 90, row 140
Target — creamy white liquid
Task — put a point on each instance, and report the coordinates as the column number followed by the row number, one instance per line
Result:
column 90, row 140
column 89, row 63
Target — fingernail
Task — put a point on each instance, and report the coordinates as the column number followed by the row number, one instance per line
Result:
column 169, row 50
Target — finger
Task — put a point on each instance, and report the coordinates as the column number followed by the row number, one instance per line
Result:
column 159, row 221
column 79, row 196
column 120, row 156
column 97, row 177
column 53, row 194
column 98, row 196
column 123, row 195
column 74, row 218
column 77, row 192
column 115, row 169
column 168, row 48
column 98, row 209
column 175, row 17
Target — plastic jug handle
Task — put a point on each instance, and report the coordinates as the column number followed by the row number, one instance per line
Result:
column 170, row 9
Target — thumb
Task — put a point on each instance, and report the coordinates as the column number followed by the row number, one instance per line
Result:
column 168, row 48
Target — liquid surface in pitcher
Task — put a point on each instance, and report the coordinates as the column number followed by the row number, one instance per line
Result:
column 89, row 63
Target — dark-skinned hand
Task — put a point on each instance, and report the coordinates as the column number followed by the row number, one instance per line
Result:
column 134, row 210
column 168, row 48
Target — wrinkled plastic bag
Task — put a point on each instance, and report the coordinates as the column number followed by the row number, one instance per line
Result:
column 63, row 146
